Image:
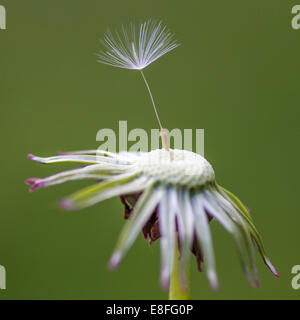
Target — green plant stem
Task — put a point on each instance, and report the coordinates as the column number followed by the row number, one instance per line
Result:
column 176, row 290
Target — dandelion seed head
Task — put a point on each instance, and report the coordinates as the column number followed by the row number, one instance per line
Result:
column 136, row 48
column 162, row 192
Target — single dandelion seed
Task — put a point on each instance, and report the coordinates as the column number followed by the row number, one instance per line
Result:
column 136, row 49
column 168, row 194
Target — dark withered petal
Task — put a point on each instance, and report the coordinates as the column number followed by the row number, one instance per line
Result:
column 127, row 208
column 197, row 252
column 155, row 233
column 148, row 226
column 128, row 201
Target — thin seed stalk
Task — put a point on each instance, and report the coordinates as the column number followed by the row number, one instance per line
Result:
column 163, row 134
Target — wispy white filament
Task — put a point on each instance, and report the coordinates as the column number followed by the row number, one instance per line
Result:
column 136, row 49
column 152, row 100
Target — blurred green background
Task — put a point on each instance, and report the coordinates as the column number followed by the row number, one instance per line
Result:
column 236, row 75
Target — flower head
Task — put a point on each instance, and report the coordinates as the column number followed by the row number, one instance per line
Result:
column 163, row 192
column 136, row 49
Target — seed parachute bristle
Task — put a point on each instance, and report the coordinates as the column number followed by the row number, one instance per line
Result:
column 133, row 48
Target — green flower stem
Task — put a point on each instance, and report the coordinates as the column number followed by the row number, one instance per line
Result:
column 176, row 290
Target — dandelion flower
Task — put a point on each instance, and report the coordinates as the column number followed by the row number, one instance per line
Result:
column 163, row 192
column 168, row 194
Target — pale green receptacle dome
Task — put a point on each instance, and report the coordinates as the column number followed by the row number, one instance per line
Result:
column 177, row 167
